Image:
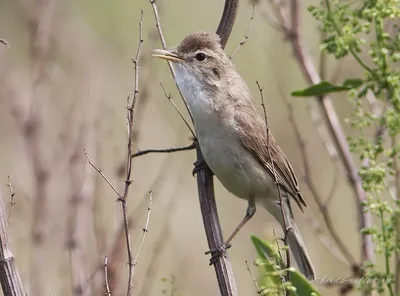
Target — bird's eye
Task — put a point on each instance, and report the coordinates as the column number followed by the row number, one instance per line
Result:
column 201, row 56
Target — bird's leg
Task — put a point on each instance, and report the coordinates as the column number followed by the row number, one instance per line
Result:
column 251, row 210
column 199, row 165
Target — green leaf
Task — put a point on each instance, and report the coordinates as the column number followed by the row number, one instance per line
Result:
column 268, row 255
column 325, row 87
column 303, row 286
column 270, row 258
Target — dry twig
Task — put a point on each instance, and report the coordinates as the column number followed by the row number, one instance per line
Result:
column 12, row 194
column 286, row 226
column 106, row 286
column 124, row 199
column 102, row 174
column 322, row 206
column 164, row 46
column 254, row 280
column 290, row 22
column 169, row 98
column 5, row 42
column 145, row 229
column 245, row 37
column 166, row 150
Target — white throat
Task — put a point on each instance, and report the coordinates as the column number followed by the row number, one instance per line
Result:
column 197, row 97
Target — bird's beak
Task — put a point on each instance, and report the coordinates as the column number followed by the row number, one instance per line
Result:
column 166, row 55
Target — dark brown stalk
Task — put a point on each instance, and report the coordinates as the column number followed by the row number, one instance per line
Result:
column 9, row 276
column 205, row 181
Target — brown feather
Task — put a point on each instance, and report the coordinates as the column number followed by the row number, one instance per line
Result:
column 254, row 137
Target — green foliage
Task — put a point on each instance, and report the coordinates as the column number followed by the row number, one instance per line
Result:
column 367, row 31
column 325, row 87
column 274, row 280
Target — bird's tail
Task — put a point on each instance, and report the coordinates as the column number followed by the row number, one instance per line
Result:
column 299, row 251
column 294, row 239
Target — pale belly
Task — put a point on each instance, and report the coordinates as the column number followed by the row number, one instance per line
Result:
column 235, row 168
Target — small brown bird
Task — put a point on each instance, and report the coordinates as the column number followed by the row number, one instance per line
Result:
column 233, row 138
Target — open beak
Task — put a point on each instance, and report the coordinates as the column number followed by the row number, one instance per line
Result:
column 166, row 55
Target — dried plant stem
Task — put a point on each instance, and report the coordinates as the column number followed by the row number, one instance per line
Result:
column 4, row 42
column 254, row 280
column 169, row 98
column 307, row 174
column 12, row 194
column 286, row 226
column 124, row 199
column 166, row 150
column 106, row 286
column 337, row 132
column 102, row 174
column 9, row 277
column 205, row 183
column 164, row 45
column 245, row 37
column 145, row 229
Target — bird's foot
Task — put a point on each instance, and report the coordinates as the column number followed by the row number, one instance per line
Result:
column 217, row 253
column 199, row 165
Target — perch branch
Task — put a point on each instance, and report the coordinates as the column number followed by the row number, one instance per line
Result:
column 205, row 183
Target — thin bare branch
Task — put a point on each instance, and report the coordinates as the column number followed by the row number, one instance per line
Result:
column 308, row 178
column 167, row 150
column 12, row 202
column 124, row 198
column 245, row 37
column 291, row 23
column 164, row 45
column 5, row 42
column 169, row 97
column 106, row 286
column 254, row 280
column 102, row 174
column 286, row 225
column 306, row 65
column 145, row 229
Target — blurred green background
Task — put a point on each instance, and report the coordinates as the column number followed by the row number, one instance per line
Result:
column 78, row 87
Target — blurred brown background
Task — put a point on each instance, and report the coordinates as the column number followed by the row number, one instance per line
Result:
column 63, row 88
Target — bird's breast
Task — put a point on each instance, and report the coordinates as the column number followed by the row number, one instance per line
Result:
column 219, row 141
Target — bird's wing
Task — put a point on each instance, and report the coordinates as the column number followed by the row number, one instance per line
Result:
column 255, row 137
